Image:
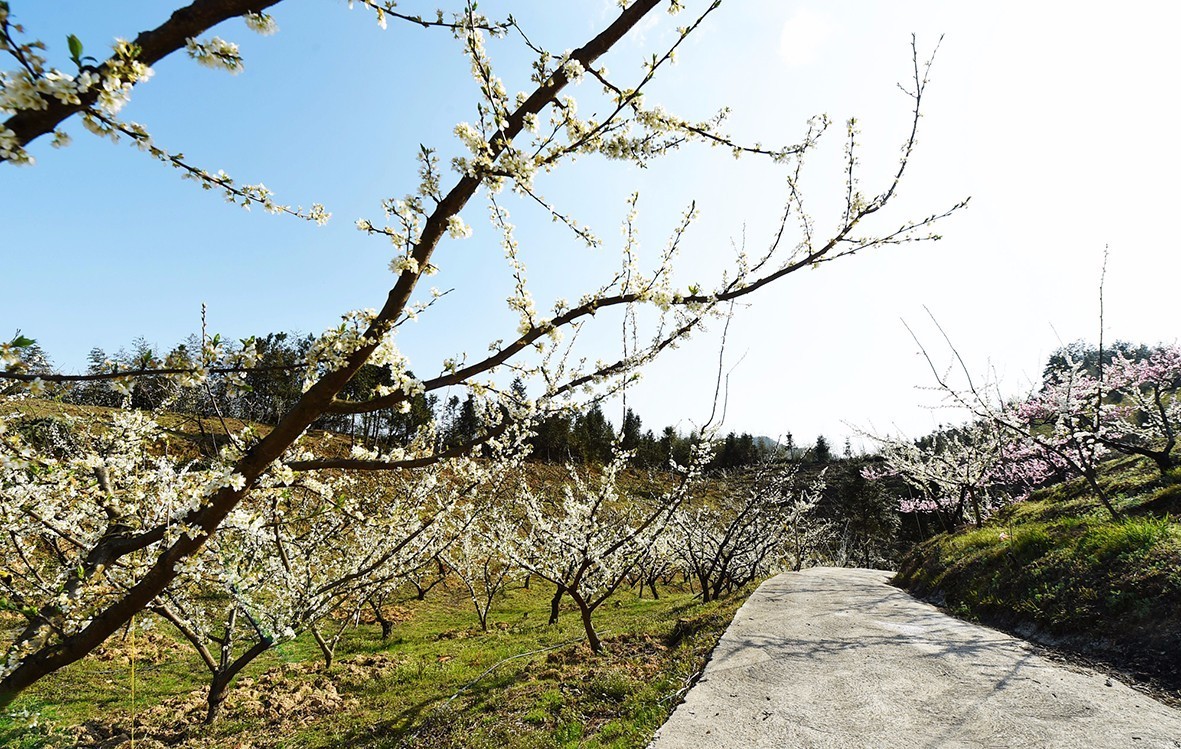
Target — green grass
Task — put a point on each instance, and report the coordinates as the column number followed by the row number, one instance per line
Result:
column 438, row 682
column 1059, row 565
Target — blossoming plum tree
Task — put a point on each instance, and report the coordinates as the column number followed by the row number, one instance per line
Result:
column 592, row 536
column 513, row 141
column 954, row 471
column 481, row 565
column 748, row 531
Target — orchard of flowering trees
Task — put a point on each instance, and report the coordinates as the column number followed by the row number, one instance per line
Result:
column 274, row 534
column 308, row 553
column 1092, row 405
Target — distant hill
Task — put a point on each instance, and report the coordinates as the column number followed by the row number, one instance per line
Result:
column 766, row 443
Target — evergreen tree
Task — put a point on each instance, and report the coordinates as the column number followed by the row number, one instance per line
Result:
column 821, row 452
column 552, row 441
column 592, row 436
column 630, row 434
column 464, row 425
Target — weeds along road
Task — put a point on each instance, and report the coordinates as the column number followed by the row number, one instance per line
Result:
column 837, row 658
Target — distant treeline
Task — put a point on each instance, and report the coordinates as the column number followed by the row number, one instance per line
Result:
column 274, row 384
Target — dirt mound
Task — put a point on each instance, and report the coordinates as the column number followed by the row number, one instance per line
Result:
column 284, row 697
column 147, row 646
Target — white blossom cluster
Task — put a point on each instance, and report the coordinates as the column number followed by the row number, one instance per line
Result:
column 300, row 549
column 590, row 535
column 110, row 481
column 35, row 83
column 10, row 354
column 297, row 548
column 332, row 349
column 474, row 554
column 215, row 53
column 409, row 214
column 262, row 23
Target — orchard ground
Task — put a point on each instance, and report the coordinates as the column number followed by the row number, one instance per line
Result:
column 439, row 681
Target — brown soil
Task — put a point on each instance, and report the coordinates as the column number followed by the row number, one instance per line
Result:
column 269, row 706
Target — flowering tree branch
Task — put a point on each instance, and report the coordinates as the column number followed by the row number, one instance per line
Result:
column 41, row 655
column 188, row 22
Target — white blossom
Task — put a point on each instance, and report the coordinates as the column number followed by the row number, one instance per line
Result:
column 262, row 23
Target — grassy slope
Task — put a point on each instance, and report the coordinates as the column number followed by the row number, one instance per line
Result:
column 395, row 693
column 1059, row 569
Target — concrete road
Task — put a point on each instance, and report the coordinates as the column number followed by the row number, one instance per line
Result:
column 837, row 658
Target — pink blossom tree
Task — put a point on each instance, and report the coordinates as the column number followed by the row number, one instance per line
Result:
column 1145, row 412
column 954, row 470
column 1055, row 430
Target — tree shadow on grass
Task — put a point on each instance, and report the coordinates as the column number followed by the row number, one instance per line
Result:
column 432, row 720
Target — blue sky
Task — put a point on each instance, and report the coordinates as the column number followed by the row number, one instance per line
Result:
column 1054, row 117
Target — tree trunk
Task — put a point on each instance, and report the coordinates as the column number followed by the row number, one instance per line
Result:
column 219, row 686
column 585, row 611
column 704, row 583
column 1164, row 461
column 555, row 603
column 387, row 627
column 217, row 696
column 1093, row 482
column 328, row 650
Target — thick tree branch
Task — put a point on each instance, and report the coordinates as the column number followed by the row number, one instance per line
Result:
column 154, row 45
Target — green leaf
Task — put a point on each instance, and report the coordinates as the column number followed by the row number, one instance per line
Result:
column 75, row 48
column 21, row 341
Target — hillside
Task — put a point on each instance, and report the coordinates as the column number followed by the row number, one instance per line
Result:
column 1058, row 570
